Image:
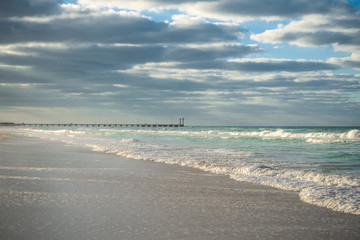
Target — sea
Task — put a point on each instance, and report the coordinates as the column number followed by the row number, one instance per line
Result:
column 321, row 164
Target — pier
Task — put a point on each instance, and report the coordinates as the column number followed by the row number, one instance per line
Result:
column 143, row 125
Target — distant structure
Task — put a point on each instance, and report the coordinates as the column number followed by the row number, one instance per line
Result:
column 181, row 124
column 7, row 124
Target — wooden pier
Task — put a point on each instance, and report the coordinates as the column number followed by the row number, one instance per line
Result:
column 144, row 125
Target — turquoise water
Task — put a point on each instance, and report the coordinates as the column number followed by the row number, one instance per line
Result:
column 322, row 164
column 331, row 150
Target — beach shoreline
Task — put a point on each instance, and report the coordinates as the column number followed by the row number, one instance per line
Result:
column 50, row 190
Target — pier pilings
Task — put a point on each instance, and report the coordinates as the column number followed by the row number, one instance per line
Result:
column 146, row 125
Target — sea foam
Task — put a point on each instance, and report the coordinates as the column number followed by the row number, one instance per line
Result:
column 311, row 137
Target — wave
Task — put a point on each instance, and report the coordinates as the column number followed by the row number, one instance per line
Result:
column 310, row 137
column 339, row 193
column 351, row 136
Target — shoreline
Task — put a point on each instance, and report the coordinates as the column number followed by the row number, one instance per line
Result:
column 54, row 191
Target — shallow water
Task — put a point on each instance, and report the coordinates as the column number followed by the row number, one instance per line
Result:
column 321, row 163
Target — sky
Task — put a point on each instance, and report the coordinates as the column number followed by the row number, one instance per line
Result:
column 213, row 62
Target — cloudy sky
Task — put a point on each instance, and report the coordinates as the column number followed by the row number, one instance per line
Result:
column 214, row 62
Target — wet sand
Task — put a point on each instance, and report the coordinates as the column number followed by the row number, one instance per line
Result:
column 53, row 191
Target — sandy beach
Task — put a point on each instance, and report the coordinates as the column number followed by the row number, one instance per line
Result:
column 50, row 190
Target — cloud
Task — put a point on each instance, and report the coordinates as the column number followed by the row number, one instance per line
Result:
column 199, row 63
column 259, row 9
column 89, row 25
column 262, row 65
column 86, row 58
column 340, row 28
column 102, row 62
column 195, row 53
column 316, row 30
column 140, row 4
column 20, row 8
column 230, row 9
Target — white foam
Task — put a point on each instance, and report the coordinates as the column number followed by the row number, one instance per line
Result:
column 311, row 137
column 340, row 193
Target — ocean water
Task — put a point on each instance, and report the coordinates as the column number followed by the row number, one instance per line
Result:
column 322, row 164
